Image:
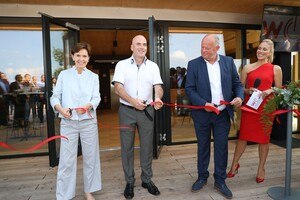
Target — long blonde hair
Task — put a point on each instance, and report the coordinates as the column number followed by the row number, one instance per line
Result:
column 271, row 45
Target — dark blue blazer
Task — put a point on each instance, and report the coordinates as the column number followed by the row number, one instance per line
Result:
column 197, row 86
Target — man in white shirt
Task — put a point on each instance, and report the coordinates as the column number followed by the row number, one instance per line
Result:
column 134, row 80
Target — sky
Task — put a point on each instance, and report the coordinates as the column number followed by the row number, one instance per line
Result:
column 186, row 46
column 22, row 52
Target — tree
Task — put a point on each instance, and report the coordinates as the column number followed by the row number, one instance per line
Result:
column 58, row 55
column 57, row 71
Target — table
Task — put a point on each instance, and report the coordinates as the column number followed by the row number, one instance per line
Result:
column 24, row 101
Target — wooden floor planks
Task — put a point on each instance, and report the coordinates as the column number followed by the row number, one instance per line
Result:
column 174, row 173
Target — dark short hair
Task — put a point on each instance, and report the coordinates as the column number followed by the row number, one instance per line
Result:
column 17, row 76
column 80, row 46
column 173, row 71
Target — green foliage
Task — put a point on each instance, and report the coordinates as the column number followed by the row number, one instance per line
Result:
column 289, row 95
column 284, row 97
column 57, row 71
column 58, row 55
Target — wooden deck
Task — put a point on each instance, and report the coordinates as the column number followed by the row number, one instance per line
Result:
column 174, row 173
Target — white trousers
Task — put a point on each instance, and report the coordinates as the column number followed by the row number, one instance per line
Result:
column 67, row 168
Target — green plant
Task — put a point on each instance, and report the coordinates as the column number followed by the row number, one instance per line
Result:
column 285, row 97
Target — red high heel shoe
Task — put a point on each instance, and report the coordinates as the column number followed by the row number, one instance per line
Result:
column 236, row 171
column 259, row 180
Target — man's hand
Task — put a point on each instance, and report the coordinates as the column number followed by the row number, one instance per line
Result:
column 139, row 104
column 237, row 101
column 209, row 104
column 158, row 104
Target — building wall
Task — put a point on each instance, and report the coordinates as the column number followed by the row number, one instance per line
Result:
column 22, row 10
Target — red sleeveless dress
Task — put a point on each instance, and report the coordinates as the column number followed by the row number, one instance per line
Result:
column 252, row 128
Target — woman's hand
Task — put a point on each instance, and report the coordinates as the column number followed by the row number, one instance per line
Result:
column 251, row 90
column 65, row 112
column 266, row 93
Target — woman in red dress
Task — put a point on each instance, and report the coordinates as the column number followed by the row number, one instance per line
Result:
column 262, row 75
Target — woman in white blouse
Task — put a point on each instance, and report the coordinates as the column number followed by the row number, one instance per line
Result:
column 76, row 97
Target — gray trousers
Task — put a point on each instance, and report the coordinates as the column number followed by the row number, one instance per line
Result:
column 67, row 168
column 136, row 120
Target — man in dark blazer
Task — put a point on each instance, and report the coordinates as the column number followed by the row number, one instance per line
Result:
column 211, row 78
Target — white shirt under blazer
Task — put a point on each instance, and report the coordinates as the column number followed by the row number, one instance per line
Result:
column 214, row 75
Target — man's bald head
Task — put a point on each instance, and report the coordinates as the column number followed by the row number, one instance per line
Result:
column 139, row 47
column 137, row 38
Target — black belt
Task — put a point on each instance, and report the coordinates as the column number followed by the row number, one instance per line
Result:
column 145, row 110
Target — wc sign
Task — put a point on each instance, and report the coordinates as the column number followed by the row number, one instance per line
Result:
column 281, row 24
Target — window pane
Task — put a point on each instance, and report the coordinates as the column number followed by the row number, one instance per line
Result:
column 185, row 45
column 21, row 124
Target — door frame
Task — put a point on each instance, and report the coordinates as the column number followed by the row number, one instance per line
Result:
column 130, row 24
column 50, row 116
column 156, row 51
column 182, row 24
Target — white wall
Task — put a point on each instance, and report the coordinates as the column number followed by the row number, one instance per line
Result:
column 25, row 10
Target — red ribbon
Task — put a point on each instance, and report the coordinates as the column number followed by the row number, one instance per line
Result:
column 211, row 108
column 84, row 111
column 277, row 112
column 244, row 108
column 222, row 102
column 35, row 147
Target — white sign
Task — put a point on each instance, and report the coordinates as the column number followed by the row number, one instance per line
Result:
column 255, row 99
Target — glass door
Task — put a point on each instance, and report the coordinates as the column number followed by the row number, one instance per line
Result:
column 156, row 45
column 184, row 44
column 58, row 39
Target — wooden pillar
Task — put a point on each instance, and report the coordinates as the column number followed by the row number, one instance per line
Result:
column 238, row 44
column 296, row 75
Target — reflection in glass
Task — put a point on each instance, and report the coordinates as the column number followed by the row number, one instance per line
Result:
column 24, row 121
column 185, row 45
column 21, row 63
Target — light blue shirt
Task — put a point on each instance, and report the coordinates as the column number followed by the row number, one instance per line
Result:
column 75, row 90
